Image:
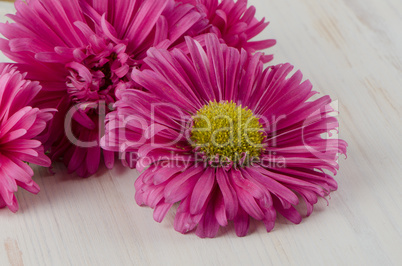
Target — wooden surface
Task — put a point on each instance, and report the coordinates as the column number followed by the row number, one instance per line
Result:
column 349, row 49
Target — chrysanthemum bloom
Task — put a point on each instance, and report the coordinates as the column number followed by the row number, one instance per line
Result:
column 81, row 51
column 235, row 24
column 20, row 125
column 224, row 138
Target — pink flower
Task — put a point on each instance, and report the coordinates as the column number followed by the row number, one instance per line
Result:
column 82, row 51
column 224, row 138
column 20, row 126
column 235, row 24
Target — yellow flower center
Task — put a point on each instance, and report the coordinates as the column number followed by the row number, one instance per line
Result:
column 226, row 132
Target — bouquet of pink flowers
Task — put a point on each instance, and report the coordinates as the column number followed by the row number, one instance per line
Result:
column 174, row 88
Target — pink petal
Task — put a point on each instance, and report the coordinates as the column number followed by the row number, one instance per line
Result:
column 202, row 190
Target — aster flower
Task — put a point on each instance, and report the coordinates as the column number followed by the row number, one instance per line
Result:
column 235, row 24
column 224, row 138
column 82, row 51
column 20, row 126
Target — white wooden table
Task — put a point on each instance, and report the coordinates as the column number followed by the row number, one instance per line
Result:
column 350, row 49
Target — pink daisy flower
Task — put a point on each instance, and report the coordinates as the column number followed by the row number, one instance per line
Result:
column 82, row 51
column 235, row 24
column 20, row 126
column 224, row 138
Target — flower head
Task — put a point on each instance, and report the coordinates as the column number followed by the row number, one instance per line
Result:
column 82, row 51
column 225, row 138
column 235, row 24
column 20, row 128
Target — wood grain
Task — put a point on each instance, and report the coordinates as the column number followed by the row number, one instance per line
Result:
column 349, row 49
